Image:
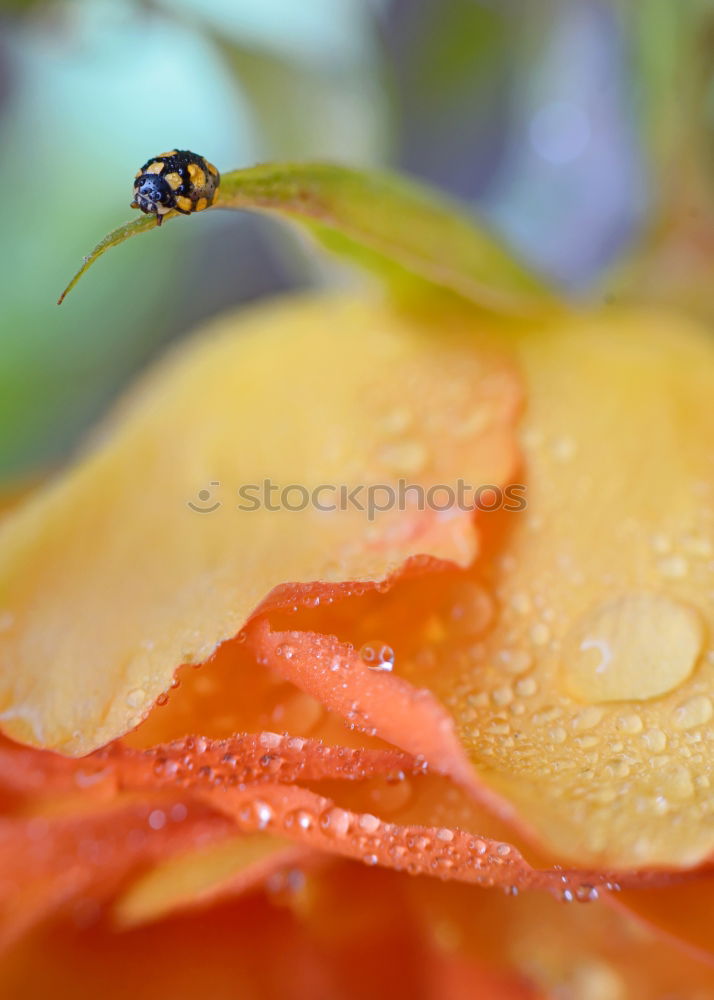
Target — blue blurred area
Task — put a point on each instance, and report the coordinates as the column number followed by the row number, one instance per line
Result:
column 519, row 108
column 523, row 110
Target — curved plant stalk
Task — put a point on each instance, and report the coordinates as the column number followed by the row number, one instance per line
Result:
column 403, row 230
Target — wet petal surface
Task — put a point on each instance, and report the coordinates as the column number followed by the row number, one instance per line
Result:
column 141, row 558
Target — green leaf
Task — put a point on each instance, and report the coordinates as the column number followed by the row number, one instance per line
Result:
column 403, row 230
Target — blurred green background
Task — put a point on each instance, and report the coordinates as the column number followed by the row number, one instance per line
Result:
column 531, row 112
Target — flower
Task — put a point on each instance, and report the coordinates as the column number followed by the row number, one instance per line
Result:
column 513, row 698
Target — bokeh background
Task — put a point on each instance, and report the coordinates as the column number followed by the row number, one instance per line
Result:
column 535, row 114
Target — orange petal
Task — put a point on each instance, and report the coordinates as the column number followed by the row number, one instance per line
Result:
column 108, row 581
column 349, row 933
column 680, row 913
column 61, row 862
column 370, row 700
column 251, row 758
column 322, row 824
column 561, row 950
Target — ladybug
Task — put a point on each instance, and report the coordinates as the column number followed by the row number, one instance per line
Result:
column 178, row 180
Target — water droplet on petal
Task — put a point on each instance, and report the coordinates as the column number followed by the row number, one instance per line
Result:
column 404, row 457
column 336, row 822
column 392, row 796
column 563, row 449
column 369, row 823
column 264, row 814
column 678, row 784
column 540, row 634
column 526, row 687
column 674, row 567
column 157, row 819
column 299, row 818
column 472, row 610
column 136, row 698
column 694, row 712
column 655, row 740
column 633, row 647
column 397, row 421
column 377, row 656
column 629, row 723
column 515, row 661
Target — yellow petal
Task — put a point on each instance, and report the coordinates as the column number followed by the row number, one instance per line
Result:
column 603, row 587
column 110, row 579
column 198, row 878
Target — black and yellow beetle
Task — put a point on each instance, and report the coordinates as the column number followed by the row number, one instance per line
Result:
column 178, row 180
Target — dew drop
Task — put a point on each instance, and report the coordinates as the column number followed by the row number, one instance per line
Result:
column 369, row 823
column 586, row 894
column 377, row 655
column 298, row 712
column 526, row 687
column 540, row 634
column 678, row 784
column 264, row 814
column 404, row 456
column 693, row 712
column 157, row 819
column 629, row 723
column 698, row 546
column 136, row 698
column 502, row 696
column 472, row 610
column 336, row 822
column 397, row 421
column 588, row 718
column 515, row 661
column 392, row 796
column 661, row 543
column 636, row 646
column 674, row 567
column 300, row 818
column 563, row 449
column 521, row 603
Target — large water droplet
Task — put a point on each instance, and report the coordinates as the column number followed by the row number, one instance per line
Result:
column 636, row 646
